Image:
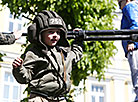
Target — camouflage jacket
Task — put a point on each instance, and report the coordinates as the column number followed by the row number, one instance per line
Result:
column 44, row 72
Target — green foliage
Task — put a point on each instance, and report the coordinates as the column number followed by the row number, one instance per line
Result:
column 85, row 14
column 28, row 94
column 1, row 55
column 95, row 58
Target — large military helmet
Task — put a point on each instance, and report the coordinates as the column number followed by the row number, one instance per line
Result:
column 47, row 20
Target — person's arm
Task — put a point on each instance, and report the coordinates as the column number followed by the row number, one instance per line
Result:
column 23, row 70
column 77, row 51
column 131, row 13
column 77, row 46
column 7, row 39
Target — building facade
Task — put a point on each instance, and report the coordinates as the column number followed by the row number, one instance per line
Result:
column 10, row 90
column 117, row 87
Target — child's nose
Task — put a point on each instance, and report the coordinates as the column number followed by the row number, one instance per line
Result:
column 55, row 33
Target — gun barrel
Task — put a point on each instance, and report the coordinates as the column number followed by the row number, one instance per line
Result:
column 103, row 38
column 103, row 35
column 99, row 35
column 107, row 32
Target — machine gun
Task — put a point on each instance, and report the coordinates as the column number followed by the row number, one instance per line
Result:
column 102, row 35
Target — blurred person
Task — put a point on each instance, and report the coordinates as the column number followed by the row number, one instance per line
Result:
column 130, row 21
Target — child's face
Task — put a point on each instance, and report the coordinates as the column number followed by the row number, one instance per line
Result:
column 51, row 36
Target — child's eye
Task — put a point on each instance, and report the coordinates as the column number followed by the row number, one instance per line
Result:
column 58, row 32
column 51, row 32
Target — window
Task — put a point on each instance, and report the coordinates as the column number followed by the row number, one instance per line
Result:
column 97, row 93
column 11, row 26
column 20, row 18
column 95, row 88
column 93, row 98
column 11, row 90
column 15, row 92
column 8, row 77
column 101, row 99
column 10, row 16
column 6, row 91
column 19, row 26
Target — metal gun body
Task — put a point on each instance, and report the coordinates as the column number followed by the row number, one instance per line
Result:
column 102, row 35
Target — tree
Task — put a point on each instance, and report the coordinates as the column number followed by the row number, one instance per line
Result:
column 85, row 14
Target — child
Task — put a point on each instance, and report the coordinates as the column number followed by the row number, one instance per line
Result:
column 48, row 63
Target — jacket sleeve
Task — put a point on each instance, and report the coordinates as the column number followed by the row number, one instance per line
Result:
column 24, row 73
column 131, row 13
column 77, row 49
column 6, row 39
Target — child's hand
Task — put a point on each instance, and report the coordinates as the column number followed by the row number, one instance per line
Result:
column 17, row 63
column 80, row 35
